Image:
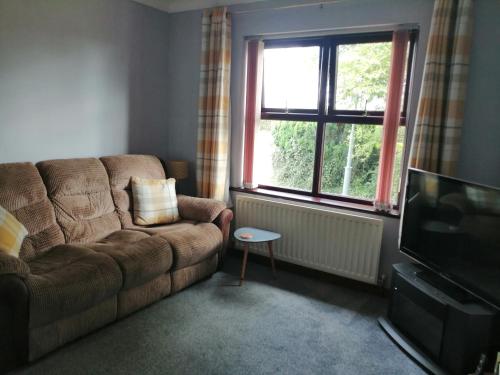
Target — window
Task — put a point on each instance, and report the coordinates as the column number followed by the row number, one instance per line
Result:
column 322, row 113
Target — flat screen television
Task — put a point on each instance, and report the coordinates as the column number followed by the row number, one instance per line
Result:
column 453, row 228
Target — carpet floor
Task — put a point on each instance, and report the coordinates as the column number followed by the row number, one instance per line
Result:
column 292, row 325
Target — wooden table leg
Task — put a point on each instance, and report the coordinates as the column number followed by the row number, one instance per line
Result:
column 270, row 247
column 244, row 264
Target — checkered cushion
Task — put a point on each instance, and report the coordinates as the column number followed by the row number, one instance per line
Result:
column 155, row 201
column 12, row 233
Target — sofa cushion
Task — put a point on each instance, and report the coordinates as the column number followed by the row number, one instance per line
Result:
column 120, row 169
column 67, row 280
column 79, row 190
column 23, row 194
column 158, row 229
column 192, row 243
column 141, row 257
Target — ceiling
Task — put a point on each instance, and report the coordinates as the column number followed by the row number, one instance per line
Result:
column 173, row 6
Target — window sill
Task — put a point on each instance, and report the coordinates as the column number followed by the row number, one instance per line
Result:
column 319, row 201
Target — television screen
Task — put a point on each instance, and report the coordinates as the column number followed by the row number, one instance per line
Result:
column 453, row 227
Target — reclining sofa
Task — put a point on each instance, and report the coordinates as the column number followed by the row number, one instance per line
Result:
column 84, row 263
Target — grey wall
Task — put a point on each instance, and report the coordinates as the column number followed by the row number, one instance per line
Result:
column 185, row 39
column 184, row 77
column 81, row 78
column 95, row 77
column 480, row 158
column 480, row 151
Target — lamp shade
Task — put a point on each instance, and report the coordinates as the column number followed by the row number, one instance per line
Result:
column 177, row 169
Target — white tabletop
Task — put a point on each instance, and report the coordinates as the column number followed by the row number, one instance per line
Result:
column 258, row 235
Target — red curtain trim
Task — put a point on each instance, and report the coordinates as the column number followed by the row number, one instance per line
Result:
column 252, row 107
column 392, row 119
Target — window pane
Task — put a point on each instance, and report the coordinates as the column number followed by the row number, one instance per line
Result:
column 284, row 154
column 291, row 77
column 350, row 160
column 362, row 76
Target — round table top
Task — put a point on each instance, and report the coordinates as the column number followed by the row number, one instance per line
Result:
column 258, row 235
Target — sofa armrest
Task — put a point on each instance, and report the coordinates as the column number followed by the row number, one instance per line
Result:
column 223, row 221
column 14, row 320
column 10, row 265
column 199, row 209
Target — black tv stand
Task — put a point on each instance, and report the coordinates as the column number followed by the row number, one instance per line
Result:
column 445, row 286
column 443, row 328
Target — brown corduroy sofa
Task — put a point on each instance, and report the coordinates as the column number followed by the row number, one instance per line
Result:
column 84, row 263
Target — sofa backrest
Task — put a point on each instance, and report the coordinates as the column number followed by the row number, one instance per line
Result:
column 23, row 194
column 120, row 169
column 80, row 192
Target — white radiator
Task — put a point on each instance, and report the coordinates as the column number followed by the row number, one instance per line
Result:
column 342, row 244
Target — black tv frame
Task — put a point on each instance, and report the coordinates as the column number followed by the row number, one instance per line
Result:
column 424, row 262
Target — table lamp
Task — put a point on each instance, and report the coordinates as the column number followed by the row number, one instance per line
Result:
column 178, row 169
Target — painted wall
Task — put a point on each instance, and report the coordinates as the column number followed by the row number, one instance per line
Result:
column 480, row 159
column 185, row 39
column 255, row 19
column 81, row 78
column 93, row 77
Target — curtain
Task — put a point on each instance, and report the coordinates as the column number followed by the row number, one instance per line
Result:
column 213, row 112
column 255, row 49
column 392, row 119
column 440, row 113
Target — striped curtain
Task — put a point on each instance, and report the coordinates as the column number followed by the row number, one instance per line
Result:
column 440, row 113
column 213, row 111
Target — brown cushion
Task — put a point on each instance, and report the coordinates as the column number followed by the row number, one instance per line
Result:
column 120, row 169
column 141, row 257
column 67, row 280
column 199, row 209
column 79, row 190
column 23, row 194
column 192, row 243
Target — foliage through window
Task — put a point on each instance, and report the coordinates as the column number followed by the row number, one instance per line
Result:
column 323, row 103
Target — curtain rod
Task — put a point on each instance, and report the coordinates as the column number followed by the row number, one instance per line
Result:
column 290, row 6
column 334, row 30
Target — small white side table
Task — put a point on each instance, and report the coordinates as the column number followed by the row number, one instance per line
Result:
column 258, row 235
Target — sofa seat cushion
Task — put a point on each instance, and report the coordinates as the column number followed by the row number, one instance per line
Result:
column 192, row 243
column 162, row 228
column 141, row 257
column 67, row 280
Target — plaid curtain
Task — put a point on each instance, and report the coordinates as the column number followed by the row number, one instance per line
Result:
column 439, row 121
column 213, row 111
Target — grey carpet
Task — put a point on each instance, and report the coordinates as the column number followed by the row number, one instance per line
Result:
column 294, row 325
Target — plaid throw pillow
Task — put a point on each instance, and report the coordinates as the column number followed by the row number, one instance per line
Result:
column 12, row 233
column 155, row 201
